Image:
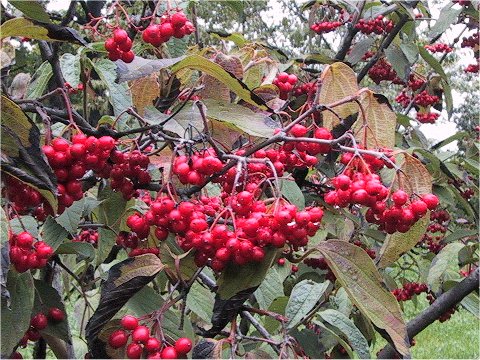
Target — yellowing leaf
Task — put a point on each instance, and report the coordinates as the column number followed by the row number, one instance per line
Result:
column 24, row 28
column 378, row 127
column 338, row 82
column 209, row 67
column 397, row 244
column 414, row 177
column 358, row 275
column 144, row 91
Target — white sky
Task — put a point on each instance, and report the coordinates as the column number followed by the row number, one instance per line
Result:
column 438, row 131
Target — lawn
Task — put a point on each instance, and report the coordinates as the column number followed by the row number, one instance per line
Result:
column 457, row 338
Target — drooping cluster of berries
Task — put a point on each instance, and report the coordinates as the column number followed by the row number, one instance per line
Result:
column 176, row 25
column 285, row 83
column 425, row 99
column 403, row 99
column 439, row 48
column 415, row 82
column 470, row 41
column 143, row 345
column 89, row 236
column 371, row 252
column 195, row 169
column 129, row 170
column 306, row 88
column 70, row 162
column 379, row 25
column 325, row 26
column 383, row 71
column 438, row 224
column 446, row 315
column 320, row 263
column 24, row 199
column 427, row 118
column 472, row 68
column 408, row 290
column 37, row 323
column 119, row 46
column 467, row 194
column 26, row 253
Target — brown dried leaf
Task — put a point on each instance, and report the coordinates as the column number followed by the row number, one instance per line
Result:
column 380, row 122
column 144, row 92
column 414, row 177
column 338, row 82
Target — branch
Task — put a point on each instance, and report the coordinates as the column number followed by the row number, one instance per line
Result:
column 444, row 302
column 352, row 31
column 52, row 57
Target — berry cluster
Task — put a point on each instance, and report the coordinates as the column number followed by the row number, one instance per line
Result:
column 176, row 25
column 325, row 26
column 144, row 344
column 70, row 162
column 415, row 82
column 320, row 263
column 129, row 170
column 425, row 99
column 378, row 26
column 471, row 41
column 472, row 68
column 194, row 170
column 439, row 47
column 427, row 118
column 71, row 89
column 383, row 70
column 439, row 221
column 467, row 194
column 306, row 88
column 446, row 315
column 369, row 54
column 119, row 46
column 408, row 290
column 23, row 198
column 285, row 83
column 39, row 322
column 403, row 99
column 371, row 252
column 25, row 254
column 89, row 236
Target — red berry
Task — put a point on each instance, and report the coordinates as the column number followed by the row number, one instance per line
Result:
column 39, row 321
column 282, row 77
column 56, row 314
column 183, row 346
column 281, row 261
column 110, row 45
column 127, row 56
column 400, row 197
column 431, row 201
column 117, row 339
column 298, row 130
column 126, row 45
column 129, row 322
column 152, row 344
column 120, row 36
column 169, row 353
column 60, row 144
column 24, row 240
column 166, row 30
column 292, row 79
column 419, row 208
column 134, row 351
column 178, row 19
column 141, row 334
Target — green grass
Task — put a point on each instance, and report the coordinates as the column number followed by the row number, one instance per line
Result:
column 456, row 338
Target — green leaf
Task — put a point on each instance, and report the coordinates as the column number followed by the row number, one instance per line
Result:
column 112, row 208
column 106, row 240
column 318, row 58
column 171, row 325
column 200, row 300
column 235, row 279
column 442, row 265
column 145, row 301
column 446, row 18
column 28, row 222
column 397, row 244
column 278, row 306
column 459, row 234
column 47, row 297
column 32, row 9
column 241, row 117
column 41, row 78
column 83, row 250
column 357, row 273
column 432, row 62
column 16, row 310
column 141, row 67
column 471, row 302
column 330, row 330
column 356, row 339
column 72, row 216
column 70, row 65
column 305, row 296
column 410, row 50
column 360, row 49
column 457, row 136
column 197, row 62
column 447, row 95
column 292, row 192
column 270, row 289
column 237, row 38
column 119, row 94
column 3, row 227
column 53, row 233
column 399, row 61
column 310, row 343
column 177, row 47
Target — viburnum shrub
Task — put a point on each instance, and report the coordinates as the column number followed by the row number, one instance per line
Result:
column 241, row 195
